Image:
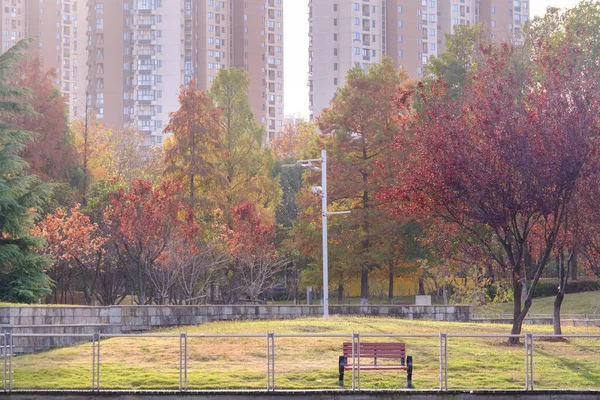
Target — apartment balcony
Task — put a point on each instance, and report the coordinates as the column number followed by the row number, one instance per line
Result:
column 366, row 57
column 366, row 43
column 366, row 28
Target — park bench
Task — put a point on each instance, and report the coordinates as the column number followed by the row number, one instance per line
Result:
column 353, row 359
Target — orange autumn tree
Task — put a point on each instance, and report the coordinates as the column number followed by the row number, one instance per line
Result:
column 144, row 221
column 75, row 244
column 190, row 152
column 359, row 127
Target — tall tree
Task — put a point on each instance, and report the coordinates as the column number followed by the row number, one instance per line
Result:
column 22, row 275
column 50, row 154
column 509, row 158
column 191, row 153
column 361, row 123
column 244, row 167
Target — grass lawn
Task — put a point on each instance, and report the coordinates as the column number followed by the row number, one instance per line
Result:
column 574, row 303
column 311, row 362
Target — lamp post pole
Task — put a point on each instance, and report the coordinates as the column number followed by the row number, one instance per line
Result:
column 322, row 191
column 324, row 215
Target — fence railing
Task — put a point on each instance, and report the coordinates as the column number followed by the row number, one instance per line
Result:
column 283, row 361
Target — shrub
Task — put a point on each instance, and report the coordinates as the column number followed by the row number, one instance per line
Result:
column 550, row 287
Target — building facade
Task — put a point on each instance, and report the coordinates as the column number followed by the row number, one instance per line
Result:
column 348, row 33
column 140, row 56
column 125, row 60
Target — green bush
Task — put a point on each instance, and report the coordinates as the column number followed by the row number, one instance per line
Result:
column 550, row 288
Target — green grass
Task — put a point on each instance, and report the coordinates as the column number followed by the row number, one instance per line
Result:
column 575, row 303
column 311, row 362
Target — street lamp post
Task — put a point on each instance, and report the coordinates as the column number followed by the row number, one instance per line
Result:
column 322, row 191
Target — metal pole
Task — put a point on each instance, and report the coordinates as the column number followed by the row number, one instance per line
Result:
column 180, row 360
column 10, row 360
column 268, row 364
column 353, row 358
column 93, row 361
column 446, row 361
column 98, row 364
column 358, row 340
column 272, row 360
column 441, row 363
column 5, row 352
column 324, row 214
column 185, row 362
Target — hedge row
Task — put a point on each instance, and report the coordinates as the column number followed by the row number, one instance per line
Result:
column 549, row 288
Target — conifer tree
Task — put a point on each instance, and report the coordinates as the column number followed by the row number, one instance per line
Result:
column 22, row 277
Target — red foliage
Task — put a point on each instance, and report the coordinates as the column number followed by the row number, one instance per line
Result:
column 144, row 221
column 508, row 156
column 50, row 156
column 250, row 234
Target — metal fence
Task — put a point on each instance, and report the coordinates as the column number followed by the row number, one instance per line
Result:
column 286, row 361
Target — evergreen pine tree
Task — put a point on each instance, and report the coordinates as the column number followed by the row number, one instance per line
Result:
column 22, row 277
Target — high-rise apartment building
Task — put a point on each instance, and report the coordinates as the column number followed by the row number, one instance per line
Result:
column 58, row 32
column 348, row 33
column 14, row 22
column 125, row 60
column 140, row 52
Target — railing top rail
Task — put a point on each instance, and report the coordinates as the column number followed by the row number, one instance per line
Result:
column 562, row 316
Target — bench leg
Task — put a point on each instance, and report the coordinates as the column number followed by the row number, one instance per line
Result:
column 343, row 361
column 409, row 364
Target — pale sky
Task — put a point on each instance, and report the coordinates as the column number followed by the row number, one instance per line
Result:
column 295, row 17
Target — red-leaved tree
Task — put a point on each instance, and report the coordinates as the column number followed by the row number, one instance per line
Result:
column 144, row 221
column 507, row 157
column 251, row 244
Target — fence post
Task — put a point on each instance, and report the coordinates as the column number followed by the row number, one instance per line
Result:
column 353, row 358
column 528, row 361
column 4, row 356
column 7, row 350
column 96, row 361
column 443, row 361
column 183, row 381
column 358, row 357
column 270, row 361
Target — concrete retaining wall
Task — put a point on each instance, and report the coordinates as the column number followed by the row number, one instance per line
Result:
column 79, row 320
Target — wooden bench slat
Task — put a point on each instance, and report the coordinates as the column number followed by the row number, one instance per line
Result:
column 374, row 367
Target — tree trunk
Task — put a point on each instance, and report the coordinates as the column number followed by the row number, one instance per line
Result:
column 141, row 288
column 364, row 286
column 518, row 316
column 574, row 267
column 556, row 315
column 563, row 278
column 391, row 285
